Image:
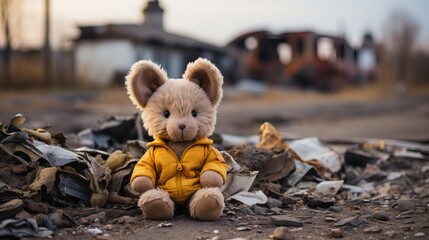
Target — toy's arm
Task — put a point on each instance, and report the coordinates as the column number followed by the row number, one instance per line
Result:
column 144, row 174
column 141, row 184
column 214, row 170
column 211, row 179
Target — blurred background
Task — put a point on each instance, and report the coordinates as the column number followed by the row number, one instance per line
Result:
column 331, row 69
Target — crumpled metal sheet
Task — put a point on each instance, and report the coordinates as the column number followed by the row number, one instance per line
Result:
column 322, row 157
column 68, row 177
column 270, row 138
column 113, row 132
column 301, row 170
column 55, row 155
column 18, row 228
column 250, row 198
column 272, row 165
column 19, row 145
column 238, row 179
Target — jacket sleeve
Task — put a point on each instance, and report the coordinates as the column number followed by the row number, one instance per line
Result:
column 215, row 162
column 145, row 167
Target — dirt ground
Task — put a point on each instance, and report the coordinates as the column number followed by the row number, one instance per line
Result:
column 368, row 112
column 357, row 113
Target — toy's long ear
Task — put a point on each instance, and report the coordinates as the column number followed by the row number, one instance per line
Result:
column 207, row 76
column 144, row 78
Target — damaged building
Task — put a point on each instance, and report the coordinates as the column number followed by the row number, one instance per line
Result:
column 103, row 54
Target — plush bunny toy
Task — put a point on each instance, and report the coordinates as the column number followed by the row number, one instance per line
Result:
column 181, row 167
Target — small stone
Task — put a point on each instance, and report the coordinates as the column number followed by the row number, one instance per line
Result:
column 244, row 228
column 162, row 225
column 381, row 215
column 391, row 233
column 97, row 220
column 365, row 196
column 126, row 219
column 216, row 231
column 405, row 205
column 284, row 220
column 314, row 202
column 419, row 234
column 335, row 208
column 272, row 202
column 276, row 210
column 282, row 233
column 94, row 231
column 19, row 169
column 351, row 221
column 330, row 219
column 259, row 210
column 372, row 229
column 101, row 216
column 336, row 233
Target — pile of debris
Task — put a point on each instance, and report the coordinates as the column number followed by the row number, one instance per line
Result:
column 43, row 178
column 37, row 168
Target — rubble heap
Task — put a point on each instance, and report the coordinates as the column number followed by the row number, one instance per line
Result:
column 44, row 179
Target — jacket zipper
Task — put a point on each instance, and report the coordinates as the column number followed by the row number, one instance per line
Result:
column 179, row 169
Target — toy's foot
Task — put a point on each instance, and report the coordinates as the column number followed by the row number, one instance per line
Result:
column 207, row 204
column 156, row 204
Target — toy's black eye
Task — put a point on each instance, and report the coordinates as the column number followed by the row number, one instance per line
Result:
column 194, row 113
column 166, row 114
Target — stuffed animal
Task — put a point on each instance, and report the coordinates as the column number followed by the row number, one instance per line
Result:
column 181, row 167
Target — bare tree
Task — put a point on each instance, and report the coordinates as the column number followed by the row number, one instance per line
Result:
column 401, row 32
column 8, row 13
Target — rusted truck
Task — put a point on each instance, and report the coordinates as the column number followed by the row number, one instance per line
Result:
column 302, row 58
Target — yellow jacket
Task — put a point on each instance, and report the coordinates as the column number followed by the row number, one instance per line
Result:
column 179, row 178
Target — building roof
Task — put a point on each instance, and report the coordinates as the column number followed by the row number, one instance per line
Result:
column 141, row 33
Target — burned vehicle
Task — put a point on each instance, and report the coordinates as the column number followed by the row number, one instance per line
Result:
column 305, row 58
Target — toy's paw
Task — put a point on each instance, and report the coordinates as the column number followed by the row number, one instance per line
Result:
column 156, row 204
column 141, row 184
column 207, row 204
column 211, row 179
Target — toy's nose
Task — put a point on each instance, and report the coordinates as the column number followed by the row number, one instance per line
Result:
column 182, row 126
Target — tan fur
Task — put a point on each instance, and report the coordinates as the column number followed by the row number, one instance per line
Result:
column 200, row 90
column 179, row 147
column 143, row 80
column 207, row 204
column 211, row 179
column 142, row 184
column 150, row 91
column 159, row 199
column 206, row 75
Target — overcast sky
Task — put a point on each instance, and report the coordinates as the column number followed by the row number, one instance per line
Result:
column 219, row 21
